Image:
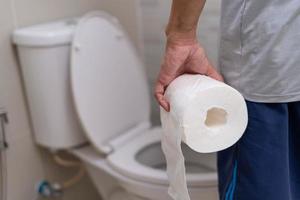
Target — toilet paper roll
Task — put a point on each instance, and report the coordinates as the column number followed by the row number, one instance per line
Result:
column 207, row 115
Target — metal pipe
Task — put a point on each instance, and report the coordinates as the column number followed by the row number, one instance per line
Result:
column 68, row 163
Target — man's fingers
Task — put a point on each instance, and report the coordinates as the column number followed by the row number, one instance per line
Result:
column 159, row 95
column 213, row 73
column 162, row 102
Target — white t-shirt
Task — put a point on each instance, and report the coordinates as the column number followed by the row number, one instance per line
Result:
column 260, row 48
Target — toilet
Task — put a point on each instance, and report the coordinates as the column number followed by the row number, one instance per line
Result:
column 88, row 95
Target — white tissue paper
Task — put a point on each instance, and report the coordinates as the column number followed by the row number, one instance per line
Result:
column 207, row 115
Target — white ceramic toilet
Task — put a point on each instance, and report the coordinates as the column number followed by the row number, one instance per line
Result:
column 88, row 94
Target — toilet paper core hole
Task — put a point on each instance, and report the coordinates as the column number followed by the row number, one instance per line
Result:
column 215, row 117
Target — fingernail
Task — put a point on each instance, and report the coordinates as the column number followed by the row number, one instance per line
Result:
column 167, row 107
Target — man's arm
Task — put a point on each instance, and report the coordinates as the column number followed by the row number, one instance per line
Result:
column 183, row 53
column 184, row 19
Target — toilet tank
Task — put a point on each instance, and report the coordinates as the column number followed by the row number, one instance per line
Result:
column 44, row 56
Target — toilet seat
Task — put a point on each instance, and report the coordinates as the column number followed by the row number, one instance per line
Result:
column 108, row 84
column 123, row 161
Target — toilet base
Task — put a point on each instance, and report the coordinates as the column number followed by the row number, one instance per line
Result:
column 124, row 195
column 117, row 186
column 111, row 184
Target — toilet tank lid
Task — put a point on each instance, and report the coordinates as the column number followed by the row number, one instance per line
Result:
column 48, row 34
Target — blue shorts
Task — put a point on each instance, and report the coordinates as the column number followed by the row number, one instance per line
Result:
column 265, row 163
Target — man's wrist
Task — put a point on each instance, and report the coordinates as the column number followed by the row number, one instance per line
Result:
column 181, row 37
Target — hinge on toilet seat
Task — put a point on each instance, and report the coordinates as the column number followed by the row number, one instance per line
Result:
column 107, row 149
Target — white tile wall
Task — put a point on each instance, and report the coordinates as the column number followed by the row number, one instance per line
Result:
column 27, row 163
column 24, row 169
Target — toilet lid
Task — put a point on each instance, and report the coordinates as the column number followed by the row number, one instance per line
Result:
column 108, row 83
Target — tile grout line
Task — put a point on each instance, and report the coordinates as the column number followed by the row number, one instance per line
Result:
column 14, row 14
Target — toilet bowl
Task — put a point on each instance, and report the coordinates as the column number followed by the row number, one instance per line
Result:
column 88, row 95
column 139, row 168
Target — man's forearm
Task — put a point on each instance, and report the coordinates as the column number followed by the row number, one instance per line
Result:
column 184, row 18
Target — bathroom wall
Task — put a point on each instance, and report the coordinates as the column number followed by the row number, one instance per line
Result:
column 27, row 164
column 155, row 15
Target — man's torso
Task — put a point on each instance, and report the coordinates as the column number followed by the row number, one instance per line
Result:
column 260, row 48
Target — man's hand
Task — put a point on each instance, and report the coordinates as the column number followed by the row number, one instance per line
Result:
column 182, row 57
column 183, row 52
